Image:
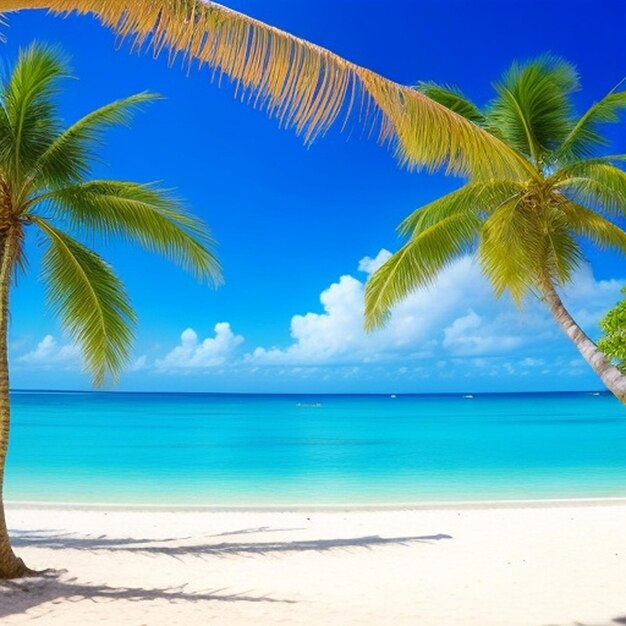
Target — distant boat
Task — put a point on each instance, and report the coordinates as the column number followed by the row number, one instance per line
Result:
column 469, row 396
column 393, row 396
column 305, row 405
column 597, row 393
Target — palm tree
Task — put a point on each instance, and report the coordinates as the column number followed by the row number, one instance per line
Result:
column 525, row 151
column 526, row 155
column 44, row 186
column 526, row 230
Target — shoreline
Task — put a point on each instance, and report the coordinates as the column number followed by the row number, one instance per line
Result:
column 431, row 505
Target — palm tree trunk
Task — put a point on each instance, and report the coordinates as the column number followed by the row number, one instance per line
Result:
column 10, row 565
column 613, row 379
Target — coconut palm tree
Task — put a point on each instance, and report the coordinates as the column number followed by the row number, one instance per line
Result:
column 526, row 230
column 44, row 187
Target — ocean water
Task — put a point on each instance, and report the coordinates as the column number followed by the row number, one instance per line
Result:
column 226, row 450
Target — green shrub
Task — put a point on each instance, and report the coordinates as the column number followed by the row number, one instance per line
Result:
column 613, row 343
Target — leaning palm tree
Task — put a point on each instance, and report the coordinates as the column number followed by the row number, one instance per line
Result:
column 526, row 230
column 44, row 187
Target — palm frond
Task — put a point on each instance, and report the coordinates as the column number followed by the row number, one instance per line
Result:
column 28, row 120
column 479, row 197
column 142, row 213
column 91, row 302
column 417, row 264
column 304, row 86
column 594, row 183
column 592, row 226
column 67, row 157
column 452, row 98
column 509, row 250
column 585, row 137
column 580, row 164
column 533, row 111
column 563, row 253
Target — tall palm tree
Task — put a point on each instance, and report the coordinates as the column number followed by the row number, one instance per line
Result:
column 526, row 230
column 44, row 187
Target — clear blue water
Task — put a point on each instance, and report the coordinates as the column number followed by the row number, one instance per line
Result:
column 245, row 449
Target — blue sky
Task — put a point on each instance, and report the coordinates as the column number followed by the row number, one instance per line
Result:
column 299, row 228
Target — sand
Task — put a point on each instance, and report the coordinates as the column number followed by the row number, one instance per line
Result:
column 541, row 564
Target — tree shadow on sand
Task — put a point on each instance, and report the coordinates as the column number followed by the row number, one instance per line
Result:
column 175, row 547
column 54, row 588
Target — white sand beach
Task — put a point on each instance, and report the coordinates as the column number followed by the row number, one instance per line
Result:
column 526, row 564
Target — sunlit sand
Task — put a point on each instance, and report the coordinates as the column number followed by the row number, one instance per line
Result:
column 526, row 564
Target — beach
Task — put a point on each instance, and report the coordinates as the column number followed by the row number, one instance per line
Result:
column 502, row 510
column 282, row 413
column 550, row 563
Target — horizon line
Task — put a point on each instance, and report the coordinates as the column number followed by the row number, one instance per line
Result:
column 314, row 393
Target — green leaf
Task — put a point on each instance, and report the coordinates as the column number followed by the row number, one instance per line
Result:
column 67, row 158
column 594, row 227
column 452, row 98
column 28, row 119
column 596, row 184
column 613, row 343
column 509, row 249
column 533, row 110
column 521, row 249
column 563, row 253
column 144, row 214
column 585, row 136
column 480, row 197
column 417, row 264
column 91, row 302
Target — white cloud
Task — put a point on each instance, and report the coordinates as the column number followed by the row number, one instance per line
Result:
column 192, row 354
column 473, row 335
column 369, row 265
column 322, row 337
column 337, row 334
column 588, row 299
column 139, row 364
column 457, row 316
column 530, row 362
column 49, row 353
column 452, row 330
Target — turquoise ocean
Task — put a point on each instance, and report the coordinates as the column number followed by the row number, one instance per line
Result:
column 226, row 450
